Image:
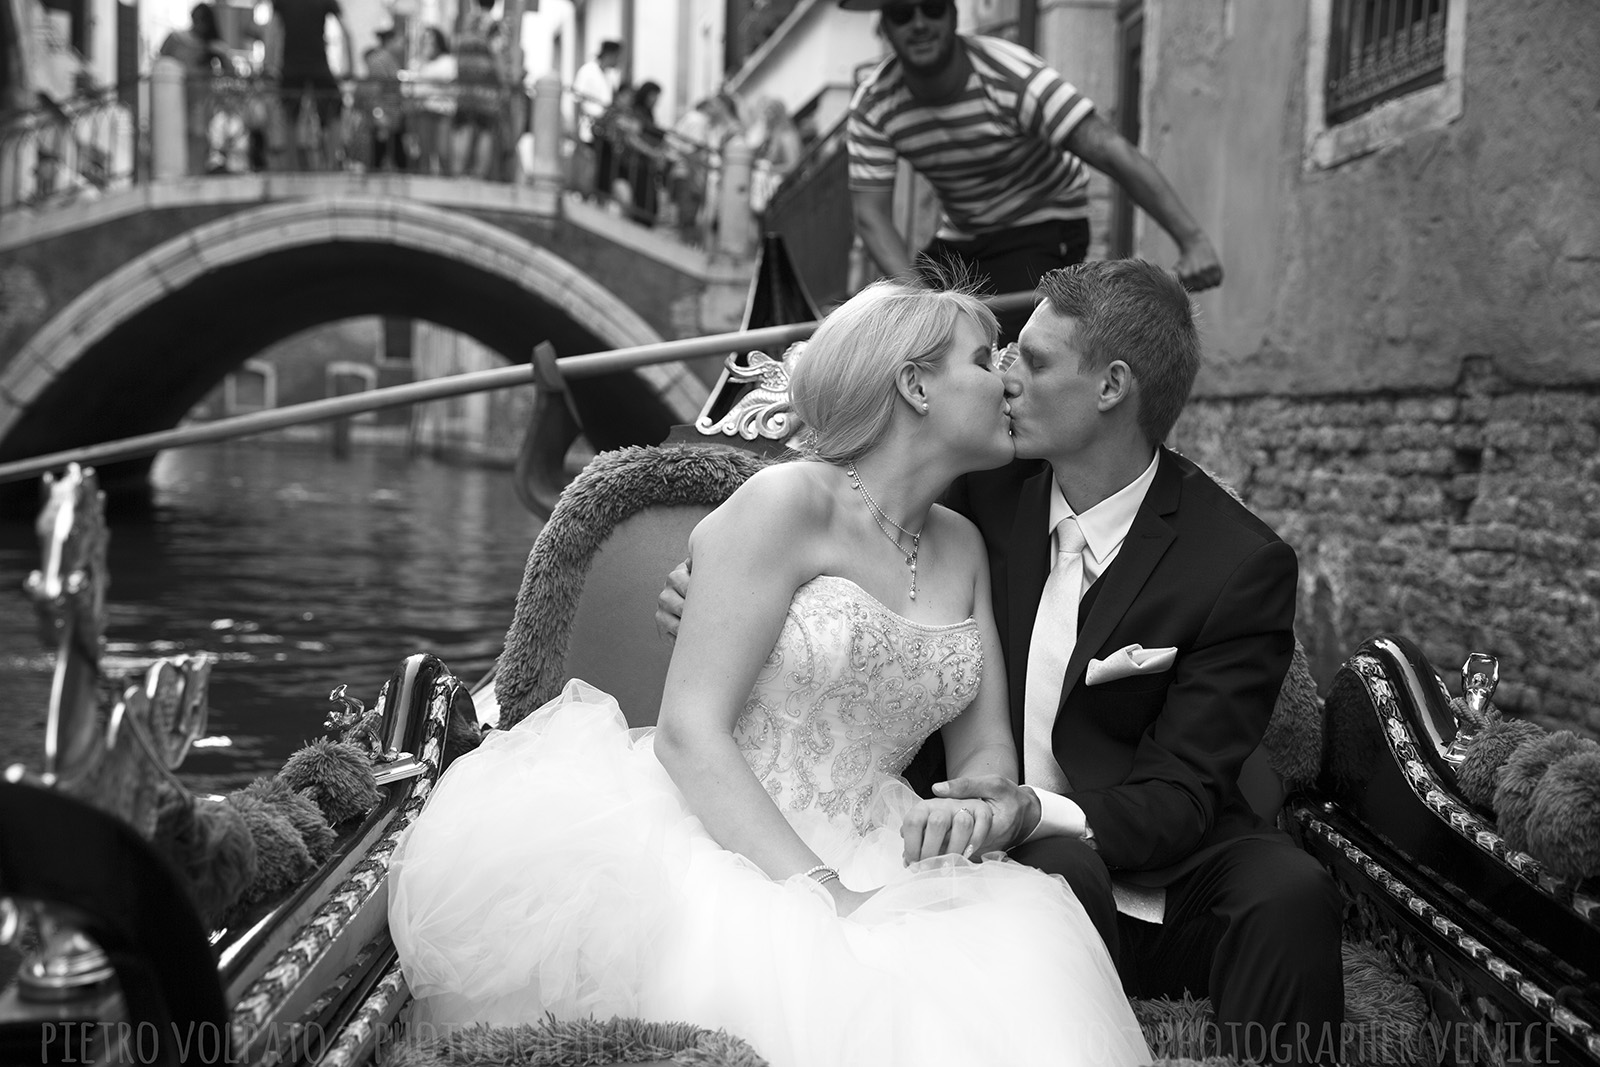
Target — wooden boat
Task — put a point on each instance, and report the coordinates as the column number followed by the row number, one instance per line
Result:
column 1461, row 948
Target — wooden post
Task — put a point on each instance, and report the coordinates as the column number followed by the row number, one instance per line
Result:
column 169, row 120
column 546, row 177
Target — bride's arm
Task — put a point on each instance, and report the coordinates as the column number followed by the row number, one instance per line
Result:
column 750, row 555
column 978, row 743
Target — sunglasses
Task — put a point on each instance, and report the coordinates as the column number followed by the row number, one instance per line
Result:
column 932, row 10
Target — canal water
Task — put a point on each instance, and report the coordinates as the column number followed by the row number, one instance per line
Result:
column 300, row 571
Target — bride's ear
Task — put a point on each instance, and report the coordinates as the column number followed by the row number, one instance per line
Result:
column 910, row 384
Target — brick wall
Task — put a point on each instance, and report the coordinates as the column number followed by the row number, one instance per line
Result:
column 1466, row 520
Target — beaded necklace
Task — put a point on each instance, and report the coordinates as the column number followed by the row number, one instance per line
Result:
column 880, row 517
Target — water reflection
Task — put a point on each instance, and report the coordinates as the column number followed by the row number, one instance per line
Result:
column 300, row 572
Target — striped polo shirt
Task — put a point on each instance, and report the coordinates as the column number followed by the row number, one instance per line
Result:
column 995, row 152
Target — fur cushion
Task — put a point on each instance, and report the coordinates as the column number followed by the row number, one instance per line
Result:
column 1513, row 795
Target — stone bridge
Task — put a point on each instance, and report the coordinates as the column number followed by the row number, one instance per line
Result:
column 118, row 314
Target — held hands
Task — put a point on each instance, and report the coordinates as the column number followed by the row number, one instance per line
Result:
column 1198, row 267
column 1010, row 814
column 970, row 816
column 939, row 827
column 669, row 602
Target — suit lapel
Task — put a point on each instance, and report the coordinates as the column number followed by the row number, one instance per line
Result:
column 1028, row 565
column 1147, row 541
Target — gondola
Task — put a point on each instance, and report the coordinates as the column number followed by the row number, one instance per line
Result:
column 1472, row 917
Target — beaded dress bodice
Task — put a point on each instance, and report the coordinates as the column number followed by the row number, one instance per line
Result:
column 848, row 695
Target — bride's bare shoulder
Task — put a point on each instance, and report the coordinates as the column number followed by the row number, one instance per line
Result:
column 784, row 500
column 960, row 531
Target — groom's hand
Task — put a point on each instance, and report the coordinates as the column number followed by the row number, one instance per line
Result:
column 1016, row 810
column 669, row 602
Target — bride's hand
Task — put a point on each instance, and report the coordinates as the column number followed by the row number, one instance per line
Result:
column 936, row 827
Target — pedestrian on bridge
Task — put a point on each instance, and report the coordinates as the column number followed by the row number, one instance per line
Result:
column 204, row 56
column 594, row 89
column 297, row 58
column 481, row 96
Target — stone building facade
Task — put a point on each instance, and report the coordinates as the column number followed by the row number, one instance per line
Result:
column 1403, row 365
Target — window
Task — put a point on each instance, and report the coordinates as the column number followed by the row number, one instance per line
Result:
column 1378, row 71
column 1382, row 49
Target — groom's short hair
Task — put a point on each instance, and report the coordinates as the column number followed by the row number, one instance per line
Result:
column 1133, row 310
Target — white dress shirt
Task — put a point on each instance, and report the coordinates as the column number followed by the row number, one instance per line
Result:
column 1105, row 526
column 595, row 87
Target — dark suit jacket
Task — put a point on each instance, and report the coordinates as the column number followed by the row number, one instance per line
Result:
column 1153, row 761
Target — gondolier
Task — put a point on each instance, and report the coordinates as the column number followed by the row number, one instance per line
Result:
column 1006, row 144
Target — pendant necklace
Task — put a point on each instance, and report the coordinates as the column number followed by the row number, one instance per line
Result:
column 879, row 517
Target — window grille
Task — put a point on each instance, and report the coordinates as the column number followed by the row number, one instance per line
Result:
column 1381, row 49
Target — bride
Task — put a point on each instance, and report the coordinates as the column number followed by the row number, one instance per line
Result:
column 741, row 865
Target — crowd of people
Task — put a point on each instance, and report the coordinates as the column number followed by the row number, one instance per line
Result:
column 447, row 103
column 625, row 158
column 432, row 101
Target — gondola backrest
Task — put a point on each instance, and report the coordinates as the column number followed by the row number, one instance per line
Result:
column 614, row 643
column 586, row 608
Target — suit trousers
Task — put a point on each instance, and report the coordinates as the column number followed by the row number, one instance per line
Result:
column 1256, row 927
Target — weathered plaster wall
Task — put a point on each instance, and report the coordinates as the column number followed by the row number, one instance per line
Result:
column 1078, row 38
column 1401, row 370
column 1385, row 271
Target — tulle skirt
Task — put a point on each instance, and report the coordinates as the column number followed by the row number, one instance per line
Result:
column 558, row 869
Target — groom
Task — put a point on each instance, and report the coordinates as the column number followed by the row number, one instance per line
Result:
column 1147, row 622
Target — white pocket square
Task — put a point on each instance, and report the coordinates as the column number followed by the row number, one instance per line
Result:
column 1128, row 661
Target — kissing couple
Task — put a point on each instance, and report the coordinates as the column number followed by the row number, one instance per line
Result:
column 1093, row 631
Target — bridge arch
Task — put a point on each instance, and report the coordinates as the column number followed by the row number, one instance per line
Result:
column 137, row 349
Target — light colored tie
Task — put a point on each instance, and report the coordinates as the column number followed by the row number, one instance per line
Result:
column 1055, row 633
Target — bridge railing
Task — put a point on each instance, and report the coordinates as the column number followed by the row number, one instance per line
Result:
column 244, row 123
column 61, row 151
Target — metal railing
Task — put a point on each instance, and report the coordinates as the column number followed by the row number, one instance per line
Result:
column 652, row 175
column 1381, row 49
column 594, row 364
column 83, row 148
column 811, row 209
column 241, row 123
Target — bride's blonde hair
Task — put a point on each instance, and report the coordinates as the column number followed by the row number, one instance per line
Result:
column 843, row 384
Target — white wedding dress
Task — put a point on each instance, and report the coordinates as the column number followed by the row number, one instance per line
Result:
column 558, row 869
